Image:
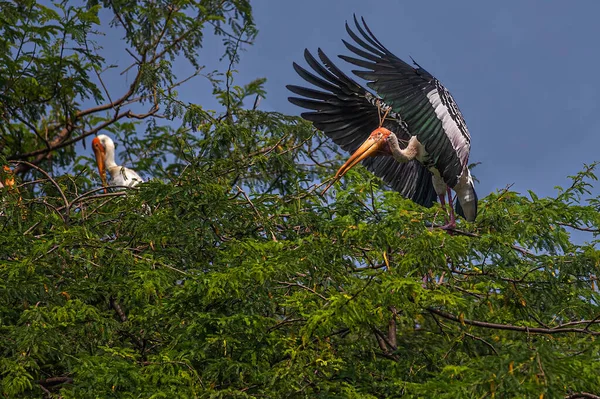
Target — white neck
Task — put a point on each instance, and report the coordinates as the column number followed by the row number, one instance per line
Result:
column 411, row 151
column 109, row 157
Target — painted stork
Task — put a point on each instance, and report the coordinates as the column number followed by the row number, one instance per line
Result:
column 411, row 134
column 104, row 148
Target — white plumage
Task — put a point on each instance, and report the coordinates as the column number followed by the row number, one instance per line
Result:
column 412, row 119
column 104, row 148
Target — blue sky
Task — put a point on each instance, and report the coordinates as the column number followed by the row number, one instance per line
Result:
column 523, row 72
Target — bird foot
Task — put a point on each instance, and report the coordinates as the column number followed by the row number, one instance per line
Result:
column 449, row 226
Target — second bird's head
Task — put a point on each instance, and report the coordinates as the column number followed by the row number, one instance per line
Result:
column 102, row 145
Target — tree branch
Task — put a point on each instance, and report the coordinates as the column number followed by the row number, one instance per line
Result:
column 575, row 227
column 584, row 395
column 55, row 381
column 288, row 284
column 42, row 171
column 510, row 327
column 469, row 234
column 481, row 340
column 56, row 144
column 115, row 305
column 384, row 337
column 61, row 138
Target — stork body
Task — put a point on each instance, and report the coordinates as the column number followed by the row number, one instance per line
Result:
column 104, row 148
column 411, row 134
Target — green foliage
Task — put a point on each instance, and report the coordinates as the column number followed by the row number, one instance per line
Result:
column 229, row 275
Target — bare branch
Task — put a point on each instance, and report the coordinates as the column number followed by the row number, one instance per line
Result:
column 229, row 34
column 285, row 322
column 98, row 75
column 115, row 305
column 41, row 154
column 481, row 340
column 46, row 391
column 173, row 44
column 580, row 228
column 55, row 381
column 28, row 124
column 384, row 337
column 496, row 326
column 156, row 43
column 517, row 248
column 228, row 74
column 582, row 395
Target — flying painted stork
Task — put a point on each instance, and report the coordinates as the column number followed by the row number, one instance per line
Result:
column 104, row 148
column 411, row 134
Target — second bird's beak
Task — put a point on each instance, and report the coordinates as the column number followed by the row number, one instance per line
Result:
column 100, row 153
column 369, row 148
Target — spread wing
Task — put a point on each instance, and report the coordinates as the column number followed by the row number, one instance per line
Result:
column 425, row 105
column 348, row 113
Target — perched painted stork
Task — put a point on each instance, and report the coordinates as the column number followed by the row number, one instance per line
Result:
column 411, row 134
column 104, row 148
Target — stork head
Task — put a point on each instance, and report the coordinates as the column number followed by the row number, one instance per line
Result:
column 101, row 146
column 375, row 145
column 466, row 206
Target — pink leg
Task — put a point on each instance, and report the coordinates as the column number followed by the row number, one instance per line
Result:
column 452, row 224
column 443, row 203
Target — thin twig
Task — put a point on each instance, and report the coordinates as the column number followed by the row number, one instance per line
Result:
column 287, row 284
column 582, row 395
column 255, row 210
column 586, row 229
column 510, row 327
column 384, row 337
column 55, row 380
column 115, row 305
column 595, row 320
column 469, row 234
column 42, row 171
column 285, row 322
column 46, row 391
column 482, row 340
column 161, row 264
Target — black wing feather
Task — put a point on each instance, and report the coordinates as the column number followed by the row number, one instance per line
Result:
column 405, row 89
column 343, row 111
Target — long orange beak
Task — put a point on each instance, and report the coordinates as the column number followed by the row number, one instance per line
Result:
column 100, row 153
column 369, row 148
